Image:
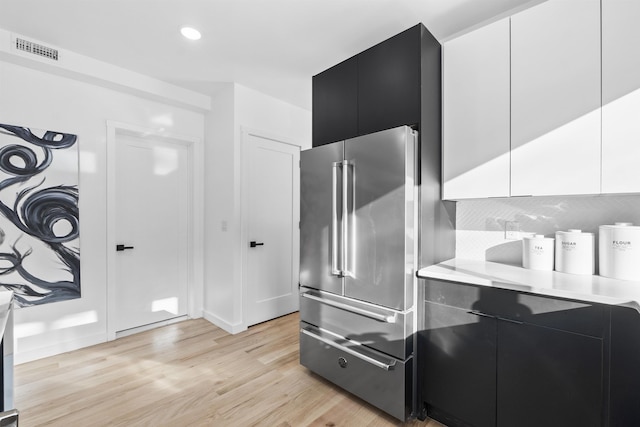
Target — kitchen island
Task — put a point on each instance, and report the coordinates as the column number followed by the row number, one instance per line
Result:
column 501, row 346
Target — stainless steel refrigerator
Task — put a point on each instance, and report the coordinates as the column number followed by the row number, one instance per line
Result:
column 358, row 258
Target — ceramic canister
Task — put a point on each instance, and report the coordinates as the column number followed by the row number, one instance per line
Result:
column 619, row 251
column 537, row 252
column 575, row 252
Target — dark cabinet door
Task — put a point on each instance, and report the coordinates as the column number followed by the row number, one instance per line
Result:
column 548, row 377
column 625, row 375
column 458, row 360
column 335, row 103
column 389, row 83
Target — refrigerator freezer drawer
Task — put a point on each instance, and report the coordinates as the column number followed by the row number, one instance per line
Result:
column 384, row 330
column 378, row 379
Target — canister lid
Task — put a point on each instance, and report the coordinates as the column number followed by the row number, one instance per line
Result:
column 537, row 237
column 621, row 225
column 573, row 232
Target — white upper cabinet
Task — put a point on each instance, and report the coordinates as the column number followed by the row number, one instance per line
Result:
column 555, row 98
column 620, row 96
column 476, row 114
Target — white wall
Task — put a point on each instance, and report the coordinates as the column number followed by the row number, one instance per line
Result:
column 45, row 100
column 219, row 268
column 235, row 108
column 79, row 95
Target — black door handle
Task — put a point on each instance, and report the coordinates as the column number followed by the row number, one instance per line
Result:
column 254, row 244
column 123, row 247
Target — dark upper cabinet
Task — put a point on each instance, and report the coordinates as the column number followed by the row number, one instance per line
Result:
column 394, row 83
column 389, row 83
column 335, row 103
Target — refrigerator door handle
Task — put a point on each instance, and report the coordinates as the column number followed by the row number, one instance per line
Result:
column 387, row 318
column 348, row 248
column 336, row 231
column 386, row 366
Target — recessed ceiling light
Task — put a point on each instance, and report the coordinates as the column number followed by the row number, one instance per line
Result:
column 190, row 33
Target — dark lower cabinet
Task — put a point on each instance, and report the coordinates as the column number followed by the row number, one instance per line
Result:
column 460, row 365
column 548, row 377
column 625, row 367
column 491, row 357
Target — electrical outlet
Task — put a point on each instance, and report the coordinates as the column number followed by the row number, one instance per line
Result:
column 512, row 230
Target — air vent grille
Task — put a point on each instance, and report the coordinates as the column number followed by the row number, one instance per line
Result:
column 36, row 49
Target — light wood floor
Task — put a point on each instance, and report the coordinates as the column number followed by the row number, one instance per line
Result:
column 189, row 374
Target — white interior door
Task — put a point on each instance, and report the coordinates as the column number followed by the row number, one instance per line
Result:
column 151, row 207
column 273, row 212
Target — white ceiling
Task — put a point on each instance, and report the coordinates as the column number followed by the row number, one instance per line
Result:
column 274, row 46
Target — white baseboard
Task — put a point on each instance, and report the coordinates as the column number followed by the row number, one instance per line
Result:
column 58, row 348
column 232, row 328
column 143, row 328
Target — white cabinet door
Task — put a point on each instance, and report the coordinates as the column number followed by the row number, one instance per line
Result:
column 555, row 99
column 620, row 96
column 476, row 114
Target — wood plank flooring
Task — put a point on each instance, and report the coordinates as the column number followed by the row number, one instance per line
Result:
column 189, row 374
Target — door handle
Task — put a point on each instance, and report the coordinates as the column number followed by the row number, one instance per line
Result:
column 387, row 318
column 122, row 247
column 254, row 244
column 336, row 256
column 348, row 246
column 382, row 365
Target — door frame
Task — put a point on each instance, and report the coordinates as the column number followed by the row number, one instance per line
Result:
column 247, row 132
column 195, row 214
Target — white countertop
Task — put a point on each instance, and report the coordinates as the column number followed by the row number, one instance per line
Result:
column 589, row 288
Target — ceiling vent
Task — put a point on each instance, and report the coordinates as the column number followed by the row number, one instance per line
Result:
column 36, row 49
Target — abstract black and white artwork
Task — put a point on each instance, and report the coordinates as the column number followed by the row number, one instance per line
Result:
column 39, row 219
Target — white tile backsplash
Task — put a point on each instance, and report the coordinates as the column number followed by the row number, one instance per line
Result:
column 480, row 223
